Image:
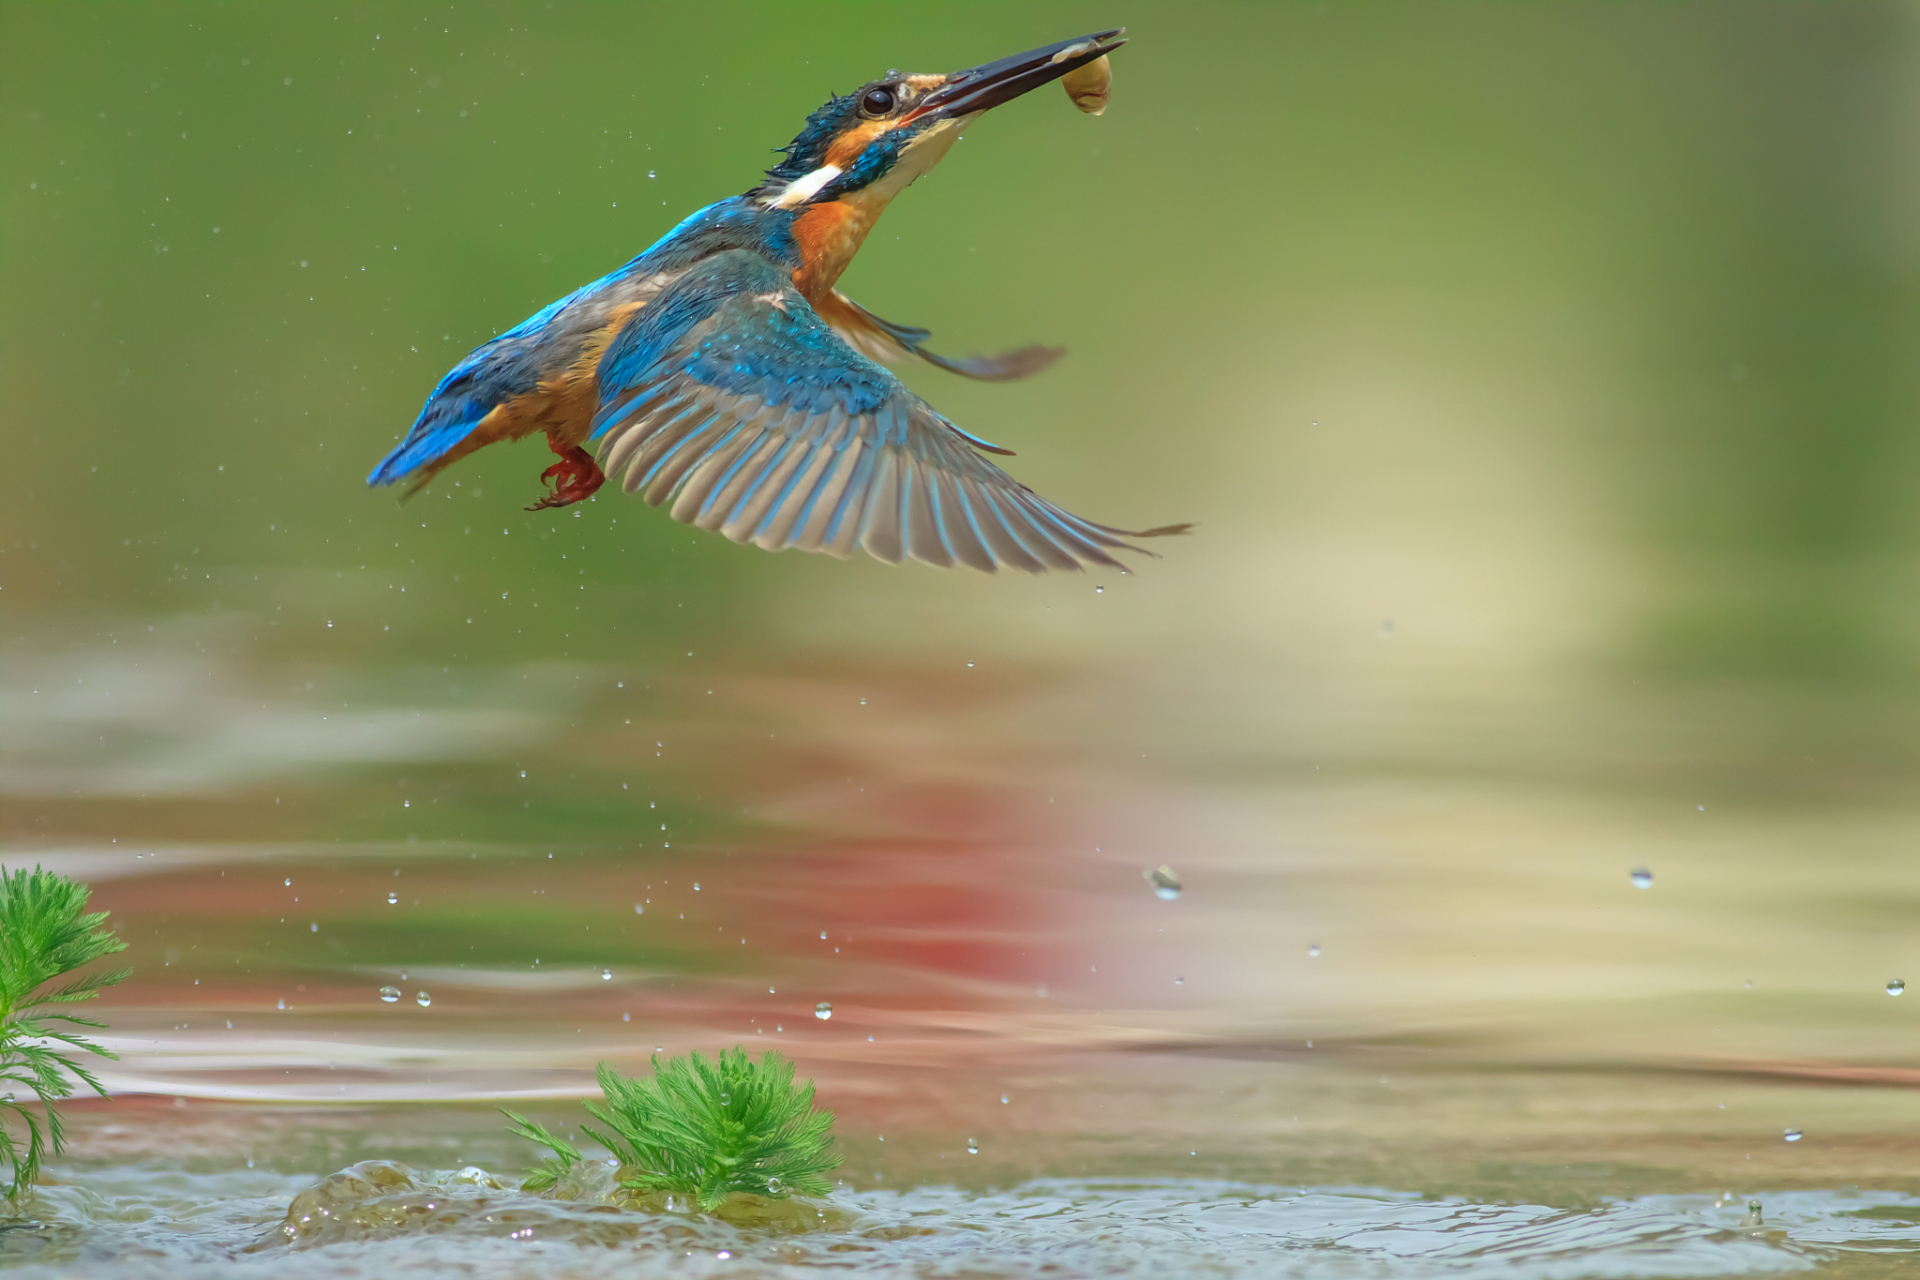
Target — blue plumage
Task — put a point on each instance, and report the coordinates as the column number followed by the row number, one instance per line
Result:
column 718, row 369
column 515, row 363
column 466, row 395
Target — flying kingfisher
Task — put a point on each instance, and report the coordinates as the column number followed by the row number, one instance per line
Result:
column 722, row 371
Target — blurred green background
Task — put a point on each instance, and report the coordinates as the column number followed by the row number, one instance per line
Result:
column 1541, row 377
column 1573, row 329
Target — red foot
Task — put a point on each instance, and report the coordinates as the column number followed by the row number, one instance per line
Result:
column 574, row 478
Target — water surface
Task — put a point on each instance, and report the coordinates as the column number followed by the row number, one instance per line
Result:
column 1540, row 380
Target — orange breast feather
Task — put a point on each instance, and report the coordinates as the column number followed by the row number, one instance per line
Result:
column 829, row 235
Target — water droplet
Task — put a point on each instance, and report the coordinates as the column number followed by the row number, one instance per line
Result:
column 823, row 935
column 393, row 899
column 823, row 1011
column 1003, row 1099
column 1642, row 878
column 1313, row 950
column 725, row 1098
column 288, row 882
column 1896, row 986
column 1165, row 881
column 1098, row 590
column 523, row 773
column 283, row 1004
column 389, row 994
column 314, row 927
column 1179, row 982
column 423, row 999
column 639, row 910
column 650, row 173
column 973, row 1148
column 724, row 1254
column 1754, row 1217
column 1794, row 1135
column 696, row 886
column 775, row 1186
column 606, row 975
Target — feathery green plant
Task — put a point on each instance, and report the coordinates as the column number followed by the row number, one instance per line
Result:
column 45, row 932
column 702, row 1129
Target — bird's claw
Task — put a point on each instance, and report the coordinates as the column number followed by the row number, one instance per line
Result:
column 574, row 477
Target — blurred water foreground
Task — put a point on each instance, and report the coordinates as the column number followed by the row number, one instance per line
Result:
column 1530, row 726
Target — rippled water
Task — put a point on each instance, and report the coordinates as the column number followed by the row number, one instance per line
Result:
column 145, row 1223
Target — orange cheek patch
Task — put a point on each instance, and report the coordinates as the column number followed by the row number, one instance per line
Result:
column 848, row 146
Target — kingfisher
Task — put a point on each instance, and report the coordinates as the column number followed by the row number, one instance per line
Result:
column 722, row 372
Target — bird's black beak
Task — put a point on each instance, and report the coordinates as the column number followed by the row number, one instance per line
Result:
column 992, row 83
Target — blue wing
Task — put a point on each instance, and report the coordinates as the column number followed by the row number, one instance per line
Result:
column 730, row 397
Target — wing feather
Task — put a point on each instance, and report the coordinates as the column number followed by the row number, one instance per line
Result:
column 757, row 484
column 849, row 511
column 660, row 448
column 1007, row 510
column 1045, row 522
column 730, row 401
column 817, row 514
column 768, row 481
column 774, row 531
column 681, row 451
column 714, row 466
column 880, row 532
column 957, row 524
column 920, row 516
column 637, row 445
column 671, row 475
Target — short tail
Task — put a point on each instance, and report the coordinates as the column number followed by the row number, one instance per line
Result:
column 421, row 449
column 446, row 423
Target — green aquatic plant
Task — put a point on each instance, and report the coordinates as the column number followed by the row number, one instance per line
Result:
column 703, row 1130
column 45, row 933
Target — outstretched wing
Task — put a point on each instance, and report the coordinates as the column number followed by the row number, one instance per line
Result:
column 728, row 396
column 881, row 339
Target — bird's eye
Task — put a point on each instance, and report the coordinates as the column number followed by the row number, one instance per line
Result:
column 877, row 102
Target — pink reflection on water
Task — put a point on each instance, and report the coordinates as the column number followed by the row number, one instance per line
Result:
column 954, row 910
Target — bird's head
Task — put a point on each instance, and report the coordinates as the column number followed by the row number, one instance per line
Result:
column 869, row 144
